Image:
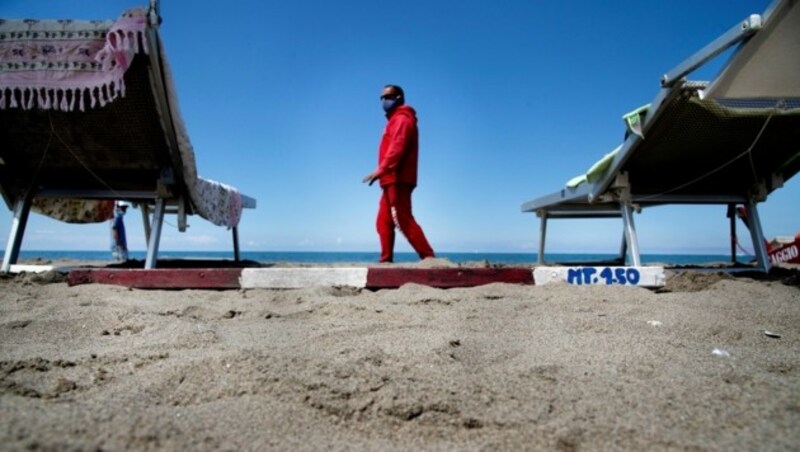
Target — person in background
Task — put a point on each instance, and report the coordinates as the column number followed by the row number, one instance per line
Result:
column 119, row 244
column 397, row 171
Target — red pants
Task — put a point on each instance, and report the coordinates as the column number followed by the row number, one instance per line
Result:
column 395, row 211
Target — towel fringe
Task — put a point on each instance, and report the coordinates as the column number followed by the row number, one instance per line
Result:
column 26, row 102
column 72, row 99
column 64, row 103
column 102, row 96
column 62, row 99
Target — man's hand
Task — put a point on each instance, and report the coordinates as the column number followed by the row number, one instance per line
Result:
column 371, row 178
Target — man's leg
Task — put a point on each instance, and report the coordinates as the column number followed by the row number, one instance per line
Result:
column 400, row 201
column 385, row 226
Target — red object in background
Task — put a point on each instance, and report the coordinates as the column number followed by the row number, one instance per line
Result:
column 786, row 253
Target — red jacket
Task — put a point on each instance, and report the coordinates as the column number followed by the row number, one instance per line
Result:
column 399, row 150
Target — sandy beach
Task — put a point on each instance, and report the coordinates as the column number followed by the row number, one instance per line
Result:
column 710, row 362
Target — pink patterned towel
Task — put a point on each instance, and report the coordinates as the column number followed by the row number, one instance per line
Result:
column 75, row 210
column 64, row 64
column 219, row 203
column 67, row 65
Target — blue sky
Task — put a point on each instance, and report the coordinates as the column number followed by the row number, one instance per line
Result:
column 513, row 97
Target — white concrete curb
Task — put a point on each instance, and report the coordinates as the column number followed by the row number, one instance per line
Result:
column 24, row 268
column 296, row 278
column 601, row 276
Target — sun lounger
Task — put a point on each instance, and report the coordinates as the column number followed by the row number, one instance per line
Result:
column 731, row 141
column 89, row 115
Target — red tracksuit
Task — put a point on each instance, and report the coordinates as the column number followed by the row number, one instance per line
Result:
column 397, row 166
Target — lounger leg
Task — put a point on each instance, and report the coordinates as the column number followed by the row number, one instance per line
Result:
column 630, row 234
column 758, row 236
column 155, row 233
column 21, row 210
column 623, row 249
column 146, row 221
column 235, row 244
column 732, row 218
column 542, row 236
column 182, row 223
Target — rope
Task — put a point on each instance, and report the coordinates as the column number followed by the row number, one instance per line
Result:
column 99, row 179
column 741, row 248
column 720, row 168
column 41, row 162
column 750, row 154
column 86, row 167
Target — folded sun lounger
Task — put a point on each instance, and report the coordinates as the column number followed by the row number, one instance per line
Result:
column 89, row 115
column 730, row 141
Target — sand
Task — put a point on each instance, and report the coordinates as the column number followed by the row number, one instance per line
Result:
column 493, row 367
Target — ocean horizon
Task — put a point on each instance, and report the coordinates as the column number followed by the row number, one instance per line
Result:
column 333, row 257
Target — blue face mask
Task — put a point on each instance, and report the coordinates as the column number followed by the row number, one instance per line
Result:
column 389, row 104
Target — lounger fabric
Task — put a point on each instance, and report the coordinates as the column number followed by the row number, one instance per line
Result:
column 633, row 124
column 596, row 171
column 700, row 130
column 77, row 66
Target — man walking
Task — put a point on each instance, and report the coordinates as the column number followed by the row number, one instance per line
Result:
column 397, row 172
column 119, row 243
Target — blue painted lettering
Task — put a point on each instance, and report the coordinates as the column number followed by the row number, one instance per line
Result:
column 574, row 276
column 588, row 272
column 633, row 276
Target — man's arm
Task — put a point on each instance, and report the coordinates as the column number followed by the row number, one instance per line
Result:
column 399, row 134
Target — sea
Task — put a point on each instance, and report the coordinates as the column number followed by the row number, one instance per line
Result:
column 334, row 257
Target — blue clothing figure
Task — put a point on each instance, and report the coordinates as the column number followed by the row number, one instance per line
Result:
column 119, row 244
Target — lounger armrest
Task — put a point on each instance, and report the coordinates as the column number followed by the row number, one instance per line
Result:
column 559, row 197
column 248, row 202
